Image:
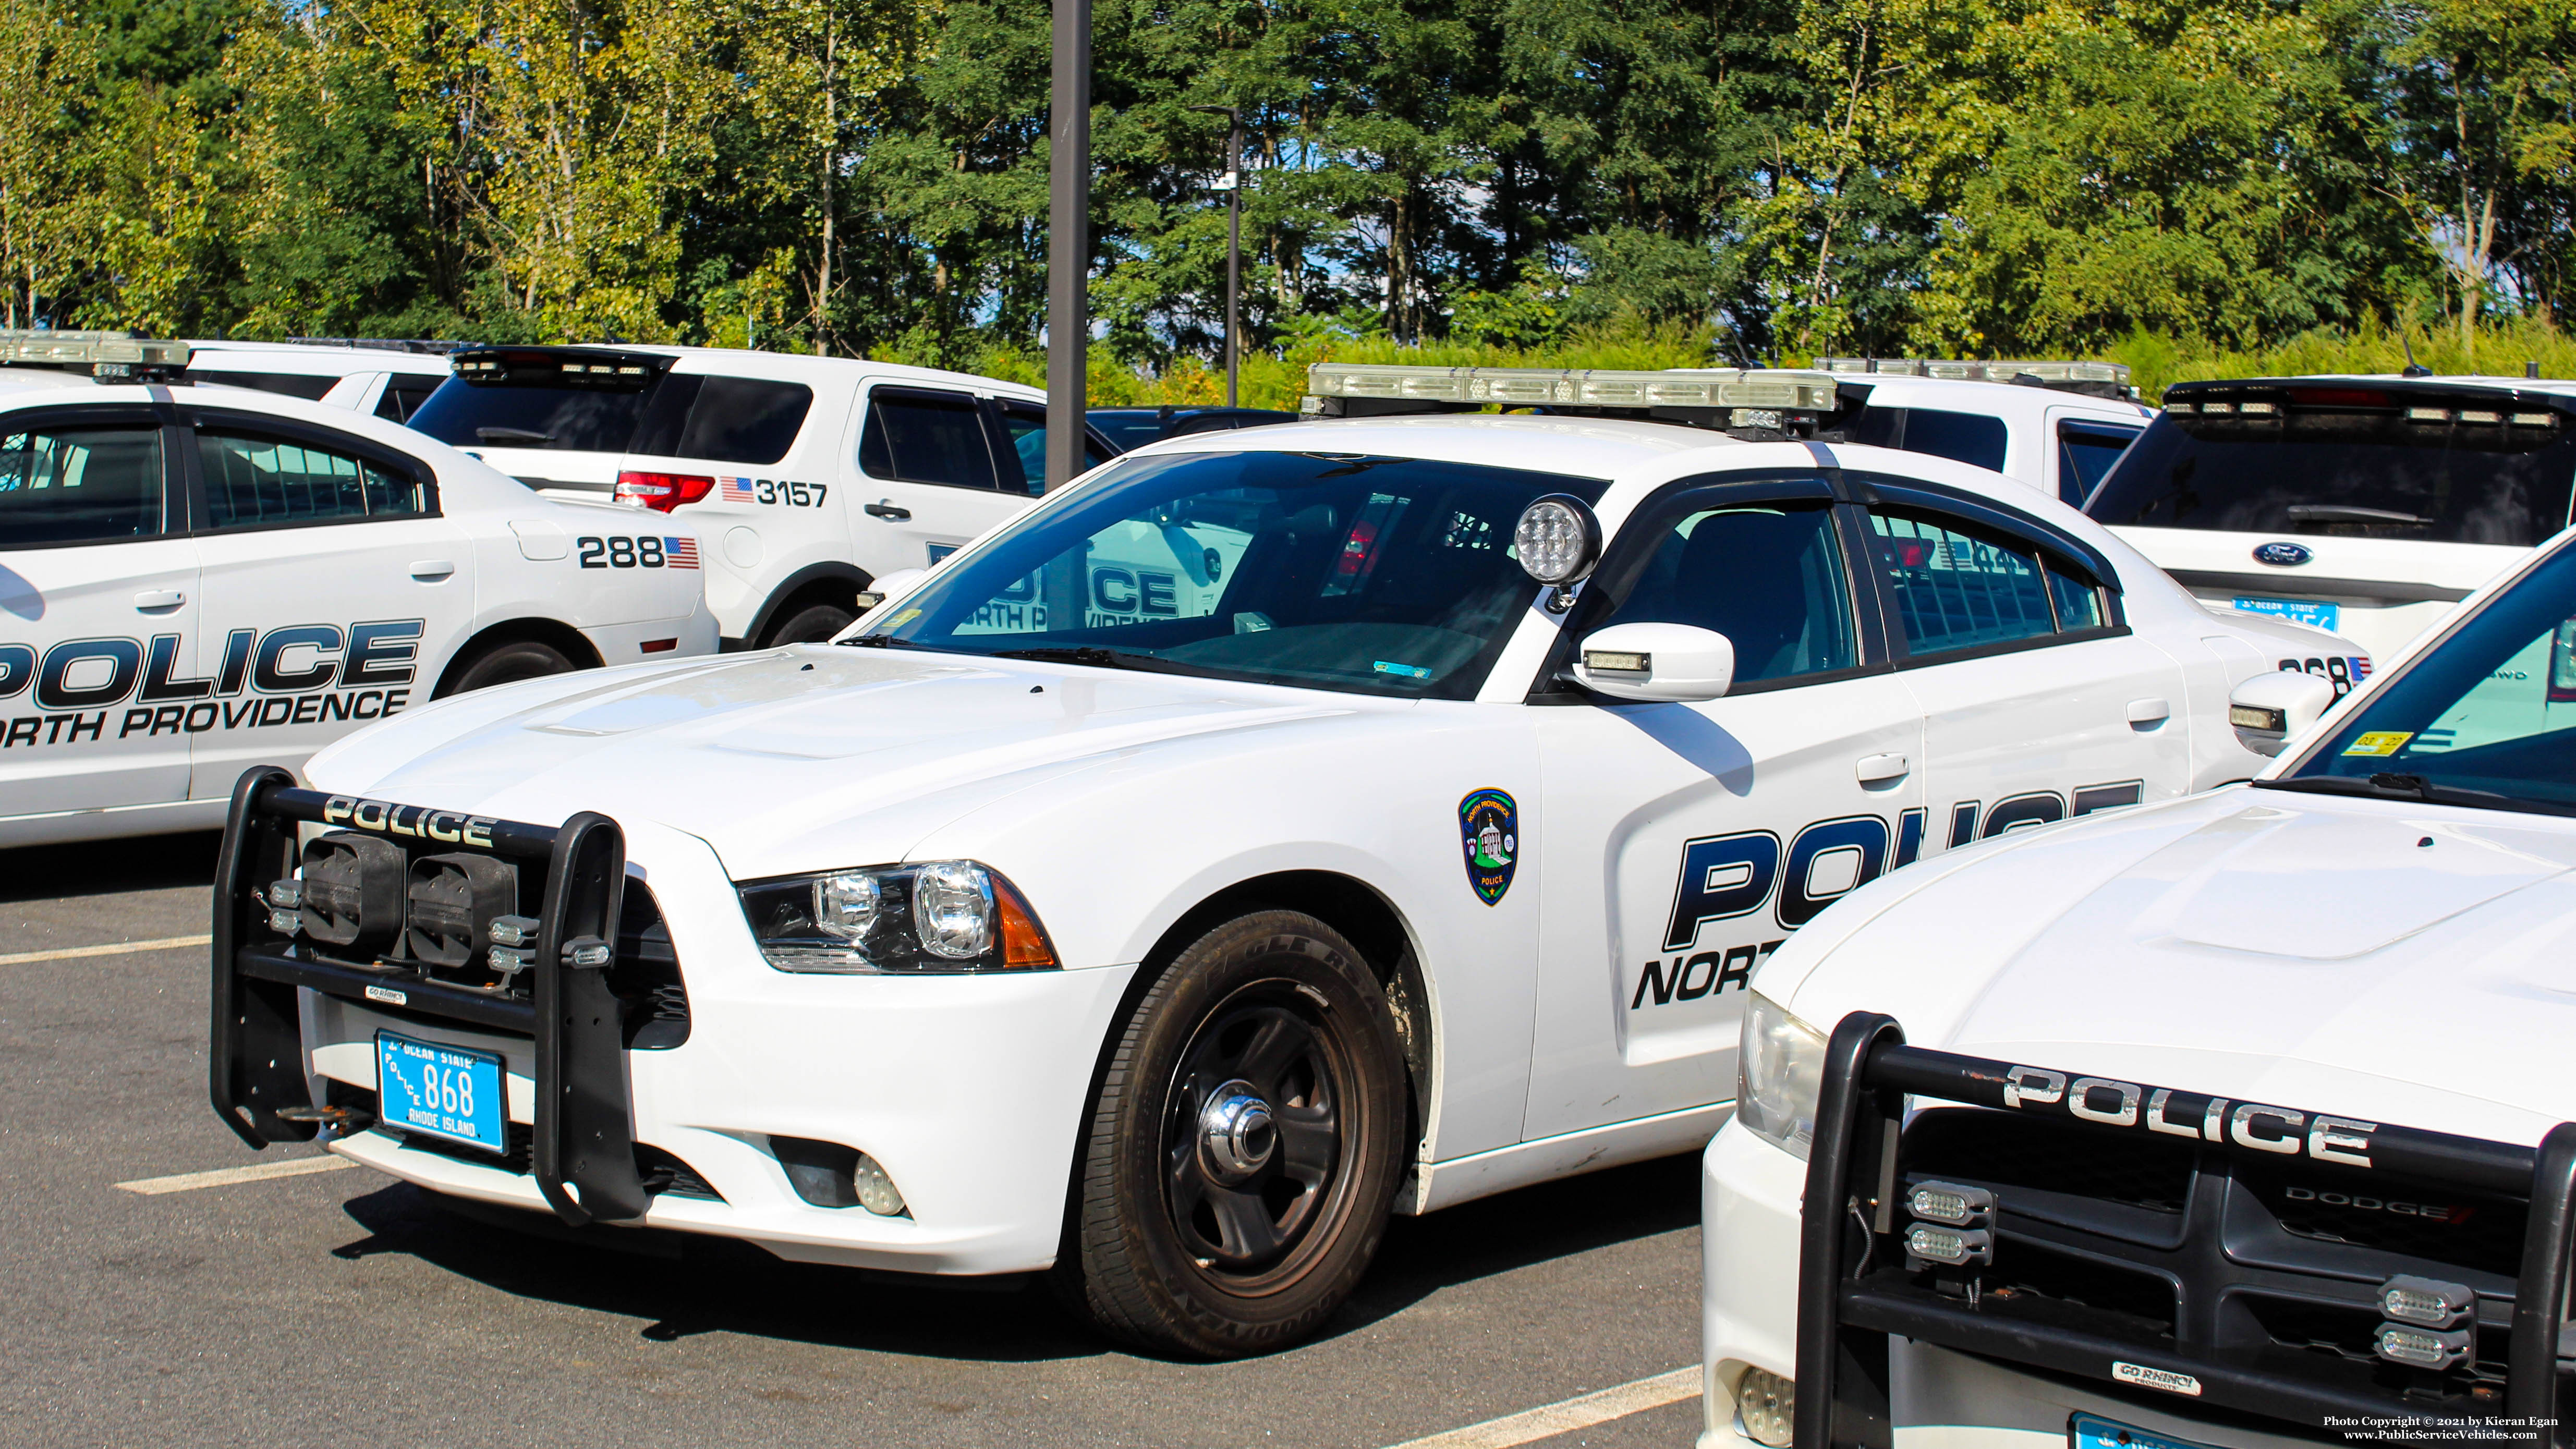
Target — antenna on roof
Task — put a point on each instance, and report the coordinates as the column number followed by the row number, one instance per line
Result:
column 2413, row 368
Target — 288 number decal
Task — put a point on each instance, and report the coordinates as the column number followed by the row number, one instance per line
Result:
column 619, row 552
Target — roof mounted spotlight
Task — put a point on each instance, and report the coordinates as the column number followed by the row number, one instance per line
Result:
column 1558, row 541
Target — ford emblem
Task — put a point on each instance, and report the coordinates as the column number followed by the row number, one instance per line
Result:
column 2282, row 555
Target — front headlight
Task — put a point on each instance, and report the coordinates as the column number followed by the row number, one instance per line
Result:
column 1778, row 1075
column 938, row 916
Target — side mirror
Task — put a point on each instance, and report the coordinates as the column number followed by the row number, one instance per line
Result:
column 2271, row 710
column 1669, row 663
column 886, row 586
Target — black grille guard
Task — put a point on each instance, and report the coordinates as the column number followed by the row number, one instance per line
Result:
column 584, row 1158
column 1847, row 1226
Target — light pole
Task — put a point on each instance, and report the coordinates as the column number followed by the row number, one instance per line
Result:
column 1068, row 243
column 1233, row 239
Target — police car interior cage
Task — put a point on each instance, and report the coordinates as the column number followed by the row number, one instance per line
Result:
column 2185, row 1252
column 416, row 914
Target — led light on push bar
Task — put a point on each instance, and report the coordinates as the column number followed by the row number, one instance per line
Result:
column 2421, row 1347
column 286, row 923
column 510, row 961
column 1949, row 1247
column 286, row 895
column 588, row 953
column 514, row 930
column 2428, row 1302
column 1950, row 1204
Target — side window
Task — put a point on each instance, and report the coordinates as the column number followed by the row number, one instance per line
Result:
column 1768, row 576
column 745, row 420
column 1964, row 437
column 263, row 482
column 2085, row 452
column 403, row 397
column 2077, row 601
column 79, row 485
column 1026, row 427
column 284, row 384
column 1958, row 590
column 925, row 437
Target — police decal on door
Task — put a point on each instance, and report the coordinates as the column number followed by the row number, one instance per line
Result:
column 84, row 690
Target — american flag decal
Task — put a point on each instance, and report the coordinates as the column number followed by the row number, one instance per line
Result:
column 736, row 490
column 682, row 553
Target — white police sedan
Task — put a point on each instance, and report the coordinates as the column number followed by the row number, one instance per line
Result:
column 197, row 580
column 1271, row 830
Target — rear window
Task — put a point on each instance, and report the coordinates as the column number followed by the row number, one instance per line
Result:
column 710, row 419
column 284, row 384
column 2085, row 453
column 2349, row 471
column 507, row 415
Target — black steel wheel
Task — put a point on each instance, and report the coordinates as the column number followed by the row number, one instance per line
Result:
column 1244, row 1147
column 811, row 624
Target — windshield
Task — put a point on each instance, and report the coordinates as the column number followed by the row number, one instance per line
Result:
column 1391, row 576
column 2349, row 471
column 2487, row 717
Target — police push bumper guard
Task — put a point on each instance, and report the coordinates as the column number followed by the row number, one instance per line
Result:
column 583, row 1152
column 1861, row 1282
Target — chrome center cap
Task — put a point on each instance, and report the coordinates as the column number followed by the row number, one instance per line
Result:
column 1236, row 1134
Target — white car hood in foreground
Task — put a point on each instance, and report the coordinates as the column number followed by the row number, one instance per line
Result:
column 2310, row 951
column 761, row 754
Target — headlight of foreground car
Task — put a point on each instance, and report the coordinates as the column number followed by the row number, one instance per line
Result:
column 1778, row 1075
column 938, row 916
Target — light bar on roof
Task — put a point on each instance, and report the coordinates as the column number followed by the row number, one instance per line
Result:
column 94, row 350
column 1944, row 368
column 1575, row 387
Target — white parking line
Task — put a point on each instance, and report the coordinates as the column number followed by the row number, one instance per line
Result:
column 227, row 1176
column 166, row 943
column 1581, row 1412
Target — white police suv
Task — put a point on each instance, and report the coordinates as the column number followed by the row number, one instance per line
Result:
column 810, row 477
column 2367, row 505
column 2058, row 426
column 388, row 377
column 2237, row 1120
column 194, row 580
column 1273, row 829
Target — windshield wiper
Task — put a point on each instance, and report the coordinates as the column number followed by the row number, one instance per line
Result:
column 2347, row 513
column 2389, row 785
column 512, row 435
column 876, row 641
column 1099, row 658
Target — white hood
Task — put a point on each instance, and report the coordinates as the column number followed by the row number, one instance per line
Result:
column 2409, row 963
column 756, row 753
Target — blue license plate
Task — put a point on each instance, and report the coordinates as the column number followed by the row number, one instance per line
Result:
column 2087, row 1431
column 2297, row 611
column 443, row 1091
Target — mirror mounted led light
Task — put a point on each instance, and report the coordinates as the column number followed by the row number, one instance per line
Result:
column 937, row 916
column 1558, row 540
column 2268, row 711
column 1662, row 663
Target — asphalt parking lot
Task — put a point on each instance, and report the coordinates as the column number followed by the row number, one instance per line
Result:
column 337, row 1306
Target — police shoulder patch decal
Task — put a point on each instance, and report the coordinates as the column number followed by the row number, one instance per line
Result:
column 1489, row 826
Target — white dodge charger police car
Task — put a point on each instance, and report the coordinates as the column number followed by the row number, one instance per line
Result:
column 2236, row 1120
column 196, row 580
column 1273, row 829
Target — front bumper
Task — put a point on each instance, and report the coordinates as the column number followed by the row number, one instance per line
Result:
column 1749, row 1273
column 969, row 1090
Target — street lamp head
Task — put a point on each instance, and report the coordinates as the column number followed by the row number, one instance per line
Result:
column 1228, row 112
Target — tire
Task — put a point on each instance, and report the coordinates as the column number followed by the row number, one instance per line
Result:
column 1246, row 1243
column 510, row 662
column 811, row 624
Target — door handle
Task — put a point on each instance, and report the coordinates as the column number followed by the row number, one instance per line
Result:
column 2149, row 711
column 1879, row 769
column 152, row 599
column 890, row 512
column 431, row 570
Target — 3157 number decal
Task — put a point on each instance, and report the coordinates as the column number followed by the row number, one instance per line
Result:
column 794, row 495
column 619, row 552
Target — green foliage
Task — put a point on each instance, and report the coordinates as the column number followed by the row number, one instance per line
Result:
column 2498, row 349
column 1721, row 180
